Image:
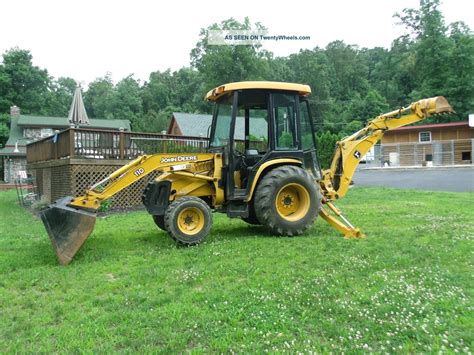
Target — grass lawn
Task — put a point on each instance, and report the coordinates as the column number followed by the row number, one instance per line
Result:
column 407, row 287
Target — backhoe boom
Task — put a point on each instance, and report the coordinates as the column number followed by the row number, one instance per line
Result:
column 350, row 150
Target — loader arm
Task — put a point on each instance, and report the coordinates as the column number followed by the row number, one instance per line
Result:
column 350, row 150
column 70, row 220
column 137, row 169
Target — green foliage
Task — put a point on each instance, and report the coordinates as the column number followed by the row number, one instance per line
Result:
column 285, row 140
column 105, row 206
column 349, row 83
column 98, row 97
column 126, row 100
column 223, row 64
column 22, row 83
column 326, row 142
column 406, row 288
column 60, row 97
column 4, row 128
column 351, row 128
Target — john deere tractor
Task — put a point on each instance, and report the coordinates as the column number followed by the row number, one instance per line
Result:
column 261, row 166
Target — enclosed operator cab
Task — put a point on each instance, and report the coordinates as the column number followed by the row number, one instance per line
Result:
column 258, row 126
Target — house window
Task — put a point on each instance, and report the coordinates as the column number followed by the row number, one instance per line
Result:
column 465, row 155
column 425, row 137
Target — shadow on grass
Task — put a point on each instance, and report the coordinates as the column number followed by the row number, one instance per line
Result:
column 104, row 247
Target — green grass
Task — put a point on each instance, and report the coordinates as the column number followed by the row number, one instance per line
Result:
column 407, row 287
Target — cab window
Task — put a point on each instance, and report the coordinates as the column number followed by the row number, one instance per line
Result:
column 285, row 121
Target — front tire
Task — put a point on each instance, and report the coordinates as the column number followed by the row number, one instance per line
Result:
column 188, row 220
column 287, row 200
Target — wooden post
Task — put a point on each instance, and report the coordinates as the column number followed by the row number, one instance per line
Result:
column 72, row 143
column 122, row 144
column 55, row 148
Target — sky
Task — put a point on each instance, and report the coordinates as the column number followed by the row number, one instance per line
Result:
column 88, row 38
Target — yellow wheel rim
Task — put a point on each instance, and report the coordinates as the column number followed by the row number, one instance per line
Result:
column 191, row 220
column 292, row 202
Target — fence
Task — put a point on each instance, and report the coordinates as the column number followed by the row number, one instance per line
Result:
column 436, row 153
column 104, row 144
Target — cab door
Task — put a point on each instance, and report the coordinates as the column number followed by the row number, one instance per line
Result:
column 308, row 139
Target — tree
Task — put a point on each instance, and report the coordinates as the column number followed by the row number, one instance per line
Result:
column 98, row 97
column 22, row 83
column 156, row 92
column 223, row 64
column 443, row 64
column 461, row 79
column 312, row 67
column 126, row 102
column 350, row 71
column 326, row 143
column 4, row 128
column 60, row 96
column 426, row 25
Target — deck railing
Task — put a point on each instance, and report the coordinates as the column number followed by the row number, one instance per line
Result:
column 108, row 144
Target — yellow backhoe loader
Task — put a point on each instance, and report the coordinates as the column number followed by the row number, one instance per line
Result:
column 261, row 166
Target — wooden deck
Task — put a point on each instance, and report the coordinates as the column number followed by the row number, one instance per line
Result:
column 105, row 144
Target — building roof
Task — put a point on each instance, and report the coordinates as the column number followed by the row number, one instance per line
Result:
column 433, row 126
column 197, row 125
column 16, row 135
column 63, row 122
column 214, row 94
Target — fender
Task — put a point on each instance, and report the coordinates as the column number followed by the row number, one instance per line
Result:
column 266, row 166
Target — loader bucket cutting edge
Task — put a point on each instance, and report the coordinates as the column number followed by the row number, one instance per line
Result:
column 67, row 227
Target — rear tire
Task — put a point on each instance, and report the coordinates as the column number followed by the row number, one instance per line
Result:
column 287, row 200
column 252, row 218
column 160, row 221
column 188, row 220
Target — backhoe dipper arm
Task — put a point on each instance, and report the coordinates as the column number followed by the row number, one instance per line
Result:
column 336, row 180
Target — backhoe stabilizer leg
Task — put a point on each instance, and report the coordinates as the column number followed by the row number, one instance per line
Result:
column 337, row 220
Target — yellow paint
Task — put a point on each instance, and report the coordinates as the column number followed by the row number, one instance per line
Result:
column 292, row 202
column 190, row 221
column 136, row 170
column 218, row 196
column 351, row 149
column 219, row 91
column 203, row 171
column 261, row 168
column 347, row 231
column 188, row 186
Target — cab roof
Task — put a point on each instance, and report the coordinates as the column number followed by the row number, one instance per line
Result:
column 216, row 93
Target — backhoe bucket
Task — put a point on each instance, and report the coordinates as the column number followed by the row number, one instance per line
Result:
column 67, row 227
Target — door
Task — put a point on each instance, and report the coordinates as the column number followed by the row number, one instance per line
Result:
column 308, row 140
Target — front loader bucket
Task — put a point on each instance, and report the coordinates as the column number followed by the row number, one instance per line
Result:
column 67, row 227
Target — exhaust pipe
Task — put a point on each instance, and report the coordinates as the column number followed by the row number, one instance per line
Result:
column 67, row 227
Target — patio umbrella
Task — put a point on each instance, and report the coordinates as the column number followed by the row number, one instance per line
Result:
column 77, row 112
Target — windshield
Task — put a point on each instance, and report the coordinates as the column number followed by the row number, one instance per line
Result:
column 223, row 121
